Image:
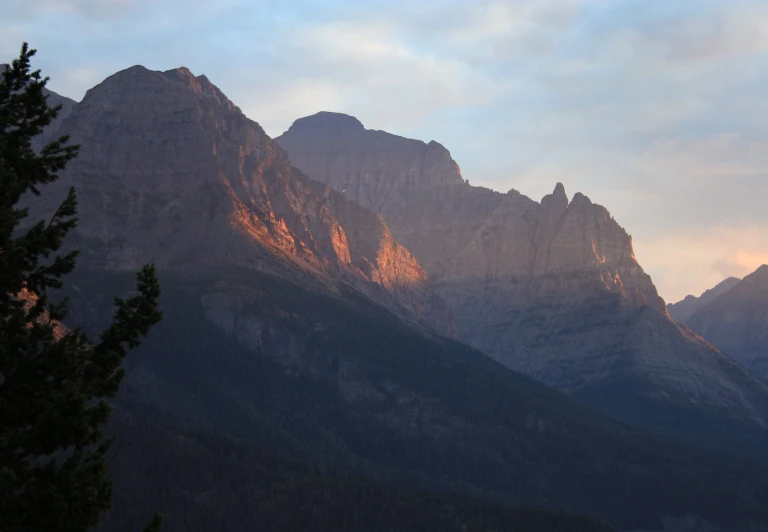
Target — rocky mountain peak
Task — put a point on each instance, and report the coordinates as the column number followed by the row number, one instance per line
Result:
column 559, row 193
column 171, row 171
column 580, row 198
column 752, row 286
column 328, row 122
column 179, row 82
column 373, row 168
column 554, row 205
column 579, row 236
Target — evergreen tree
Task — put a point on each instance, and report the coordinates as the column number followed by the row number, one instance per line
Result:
column 54, row 382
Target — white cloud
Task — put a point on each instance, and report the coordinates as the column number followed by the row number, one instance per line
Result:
column 368, row 70
column 718, row 32
column 299, row 99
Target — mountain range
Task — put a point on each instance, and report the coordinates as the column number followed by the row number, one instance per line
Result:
column 327, row 326
column 551, row 289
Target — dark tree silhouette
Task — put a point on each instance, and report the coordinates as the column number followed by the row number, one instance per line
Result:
column 54, row 381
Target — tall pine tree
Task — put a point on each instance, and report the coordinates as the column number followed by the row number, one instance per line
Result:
column 54, row 382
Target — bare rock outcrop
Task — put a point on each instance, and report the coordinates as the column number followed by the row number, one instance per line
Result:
column 171, row 171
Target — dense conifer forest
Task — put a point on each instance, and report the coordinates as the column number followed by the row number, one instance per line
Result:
column 204, row 481
column 423, row 411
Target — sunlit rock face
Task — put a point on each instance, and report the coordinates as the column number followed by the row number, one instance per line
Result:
column 171, row 171
column 552, row 288
column 737, row 321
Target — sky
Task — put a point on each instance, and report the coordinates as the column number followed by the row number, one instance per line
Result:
column 656, row 109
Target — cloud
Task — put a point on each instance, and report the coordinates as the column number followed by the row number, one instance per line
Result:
column 707, row 31
column 722, row 156
column 361, row 68
column 282, row 101
column 394, row 83
column 514, row 29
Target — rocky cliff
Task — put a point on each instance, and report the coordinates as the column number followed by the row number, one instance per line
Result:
column 737, row 321
column 552, row 288
column 171, row 171
column 684, row 309
column 458, row 231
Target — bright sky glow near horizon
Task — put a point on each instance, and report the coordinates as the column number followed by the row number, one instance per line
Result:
column 656, row 109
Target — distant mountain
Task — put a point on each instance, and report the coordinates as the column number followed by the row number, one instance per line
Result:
column 294, row 322
column 737, row 321
column 684, row 309
column 552, row 289
column 54, row 100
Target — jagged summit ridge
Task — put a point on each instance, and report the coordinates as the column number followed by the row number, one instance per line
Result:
column 381, row 171
column 152, row 82
column 557, row 201
column 329, row 120
column 579, row 234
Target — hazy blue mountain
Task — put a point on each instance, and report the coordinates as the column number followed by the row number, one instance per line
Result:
column 685, row 308
column 737, row 321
